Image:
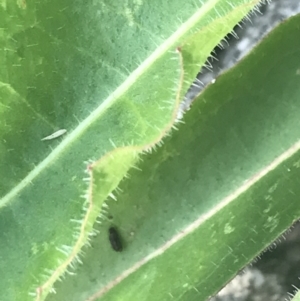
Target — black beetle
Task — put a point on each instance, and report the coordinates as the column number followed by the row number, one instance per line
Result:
column 115, row 240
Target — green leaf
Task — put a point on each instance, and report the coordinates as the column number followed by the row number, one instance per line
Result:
column 108, row 73
column 214, row 196
column 297, row 297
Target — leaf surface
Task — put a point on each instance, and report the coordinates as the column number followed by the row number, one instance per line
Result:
column 108, row 73
column 214, row 196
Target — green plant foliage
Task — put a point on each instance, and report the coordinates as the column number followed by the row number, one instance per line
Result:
column 216, row 194
column 297, row 297
column 107, row 72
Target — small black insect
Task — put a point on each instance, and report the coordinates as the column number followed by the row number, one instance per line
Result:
column 114, row 239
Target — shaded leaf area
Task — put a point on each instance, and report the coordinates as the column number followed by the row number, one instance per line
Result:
column 105, row 71
column 215, row 195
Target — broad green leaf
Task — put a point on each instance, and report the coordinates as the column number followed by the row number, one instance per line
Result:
column 214, row 196
column 107, row 72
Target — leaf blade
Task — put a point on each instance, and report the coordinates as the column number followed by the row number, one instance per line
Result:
column 215, row 189
column 54, row 66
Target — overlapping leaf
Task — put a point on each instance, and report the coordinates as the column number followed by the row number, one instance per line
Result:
column 215, row 195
